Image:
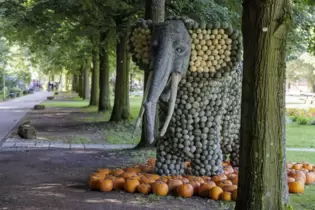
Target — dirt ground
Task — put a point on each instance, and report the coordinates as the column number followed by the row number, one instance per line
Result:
column 57, row 179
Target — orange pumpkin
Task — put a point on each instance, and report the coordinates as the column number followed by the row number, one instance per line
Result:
column 127, row 175
column 291, row 179
column 119, row 183
column 173, row 184
column 160, row 188
column 229, row 188
column 226, row 196
column 153, row 176
column 185, row 180
column 233, row 178
column 185, row 190
column 144, row 188
column 218, row 178
column 215, row 193
column 117, row 172
column 106, row 185
column 146, row 180
column 225, row 182
column 134, row 170
column 131, row 185
column 310, row 178
column 228, row 170
column 308, row 166
column 297, row 166
column 195, row 185
column 206, row 178
column 94, row 182
column 297, row 175
column 296, row 187
column 204, row 188
column 289, row 165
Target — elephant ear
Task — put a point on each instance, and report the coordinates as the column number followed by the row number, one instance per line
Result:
column 139, row 42
column 216, row 47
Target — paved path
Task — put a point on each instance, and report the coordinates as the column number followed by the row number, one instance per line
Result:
column 11, row 112
column 12, row 144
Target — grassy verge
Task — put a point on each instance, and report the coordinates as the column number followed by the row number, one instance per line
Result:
column 301, row 136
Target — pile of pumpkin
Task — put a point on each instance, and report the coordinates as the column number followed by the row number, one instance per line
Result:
column 142, row 179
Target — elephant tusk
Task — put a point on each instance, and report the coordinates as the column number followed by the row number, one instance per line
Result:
column 142, row 109
column 175, row 80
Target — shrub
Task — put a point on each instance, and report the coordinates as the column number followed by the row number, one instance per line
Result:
column 302, row 120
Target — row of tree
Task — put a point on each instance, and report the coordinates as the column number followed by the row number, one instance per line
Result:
column 71, row 35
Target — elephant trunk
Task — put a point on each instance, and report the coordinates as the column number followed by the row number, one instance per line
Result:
column 161, row 73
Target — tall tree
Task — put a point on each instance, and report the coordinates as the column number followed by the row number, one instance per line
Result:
column 95, row 76
column 121, row 109
column 104, row 101
column 263, row 181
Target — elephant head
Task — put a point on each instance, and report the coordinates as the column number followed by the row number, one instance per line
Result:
column 168, row 50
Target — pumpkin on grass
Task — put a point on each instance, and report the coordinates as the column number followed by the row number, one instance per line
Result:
column 297, row 166
column 117, row 172
column 160, row 188
column 291, row 179
column 308, row 166
column 296, row 187
column 106, row 185
column 310, row 178
column 185, row 190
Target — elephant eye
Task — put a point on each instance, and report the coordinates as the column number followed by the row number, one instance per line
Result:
column 180, row 50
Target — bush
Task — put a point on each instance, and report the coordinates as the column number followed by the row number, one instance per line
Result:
column 303, row 120
column 25, row 92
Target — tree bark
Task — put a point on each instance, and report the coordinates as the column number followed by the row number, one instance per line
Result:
column 95, row 77
column 104, row 101
column 121, row 109
column 154, row 10
column 86, row 93
column 263, row 180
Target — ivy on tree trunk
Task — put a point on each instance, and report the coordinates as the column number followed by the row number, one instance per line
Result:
column 104, row 101
column 263, row 180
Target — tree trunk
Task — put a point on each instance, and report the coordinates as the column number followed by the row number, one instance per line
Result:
column 74, row 79
column 86, row 92
column 154, row 10
column 121, row 109
column 104, row 101
column 263, row 180
column 95, row 77
column 81, row 83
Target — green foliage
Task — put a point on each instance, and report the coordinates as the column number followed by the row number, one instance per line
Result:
column 208, row 11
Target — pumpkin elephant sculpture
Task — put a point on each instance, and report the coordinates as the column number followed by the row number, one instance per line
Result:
column 195, row 80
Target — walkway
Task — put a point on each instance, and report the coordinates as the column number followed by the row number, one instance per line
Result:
column 11, row 112
column 20, row 145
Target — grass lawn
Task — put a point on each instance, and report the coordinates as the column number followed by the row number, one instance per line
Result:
column 300, row 136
